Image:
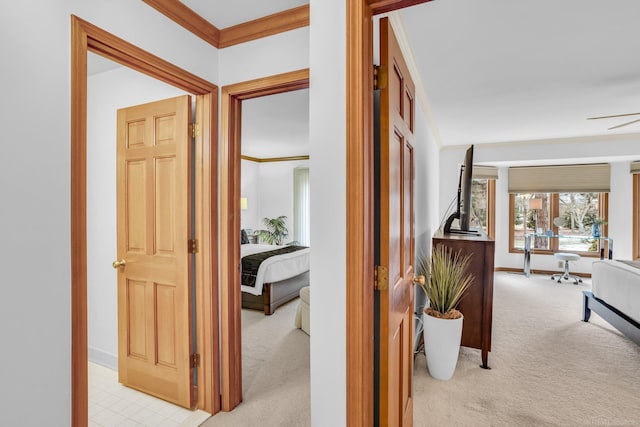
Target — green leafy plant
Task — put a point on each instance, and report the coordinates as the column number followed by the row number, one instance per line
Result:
column 446, row 282
column 276, row 230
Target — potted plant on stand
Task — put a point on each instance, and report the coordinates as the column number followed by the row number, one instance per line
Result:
column 445, row 284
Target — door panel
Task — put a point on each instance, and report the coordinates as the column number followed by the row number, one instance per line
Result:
column 154, row 292
column 395, row 229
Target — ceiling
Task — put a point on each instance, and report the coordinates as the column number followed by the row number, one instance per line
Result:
column 493, row 70
column 504, row 70
column 276, row 125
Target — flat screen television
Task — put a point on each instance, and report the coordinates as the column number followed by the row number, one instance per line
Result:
column 463, row 206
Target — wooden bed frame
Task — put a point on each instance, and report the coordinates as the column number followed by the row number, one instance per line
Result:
column 275, row 294
column 629, row 327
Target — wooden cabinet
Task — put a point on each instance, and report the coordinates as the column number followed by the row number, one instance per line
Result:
column 477, row 304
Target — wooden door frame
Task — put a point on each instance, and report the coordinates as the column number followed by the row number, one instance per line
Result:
column 230, row 168
column 360, row 198
column 85, row 38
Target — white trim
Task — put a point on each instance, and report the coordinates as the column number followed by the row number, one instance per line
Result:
column 103, row 358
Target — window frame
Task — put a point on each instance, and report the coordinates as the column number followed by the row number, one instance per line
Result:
column 491, row 206
column 554, row 211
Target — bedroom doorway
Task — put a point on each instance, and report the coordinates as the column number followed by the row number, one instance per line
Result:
column 232, row 130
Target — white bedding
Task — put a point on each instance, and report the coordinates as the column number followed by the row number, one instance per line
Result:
column 275, row 268
column 617, row 284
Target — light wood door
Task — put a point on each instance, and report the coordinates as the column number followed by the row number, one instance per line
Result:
column 395, row 229
column 154, row 292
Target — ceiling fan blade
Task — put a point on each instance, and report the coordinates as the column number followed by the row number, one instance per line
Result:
column 615, row 115
column 624, row 124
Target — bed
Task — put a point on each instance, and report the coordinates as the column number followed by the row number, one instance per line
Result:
column 615, row 295
column 269, row 283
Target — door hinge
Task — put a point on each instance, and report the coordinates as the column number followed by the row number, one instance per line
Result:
column 193, row 246
column 381, row 275
column 194, row 129
column 379, row 77
column 195, row 360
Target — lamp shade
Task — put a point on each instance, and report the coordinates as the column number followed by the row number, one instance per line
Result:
column 535, row 203
column 243, row 203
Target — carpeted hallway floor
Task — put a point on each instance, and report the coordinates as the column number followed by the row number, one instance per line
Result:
column 275, row 373
column 548, row 368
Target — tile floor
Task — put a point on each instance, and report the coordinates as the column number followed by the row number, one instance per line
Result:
column 112, row 404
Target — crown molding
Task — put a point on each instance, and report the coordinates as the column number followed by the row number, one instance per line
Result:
column 280, row 22
column 187, row 18
column 276, row 23
column 274, row 159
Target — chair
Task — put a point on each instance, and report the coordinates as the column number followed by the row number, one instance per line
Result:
column 566, row 257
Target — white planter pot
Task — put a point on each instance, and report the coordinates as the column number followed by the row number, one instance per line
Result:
column 441, row 345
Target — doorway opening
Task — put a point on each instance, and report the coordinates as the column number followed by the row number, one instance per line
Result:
column 230, row 291
column 111, row 88
column 89, row 38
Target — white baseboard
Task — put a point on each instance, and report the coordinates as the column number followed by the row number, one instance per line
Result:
column 103, row 358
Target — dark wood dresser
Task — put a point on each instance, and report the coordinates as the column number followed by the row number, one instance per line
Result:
column 477, row 304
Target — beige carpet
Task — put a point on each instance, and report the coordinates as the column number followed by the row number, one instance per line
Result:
column 548, row 367
column 275, row 372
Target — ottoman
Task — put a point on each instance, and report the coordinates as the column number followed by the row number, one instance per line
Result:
column 302, row 315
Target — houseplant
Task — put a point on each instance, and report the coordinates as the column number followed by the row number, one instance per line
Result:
column 445, row 284
column 276, row 230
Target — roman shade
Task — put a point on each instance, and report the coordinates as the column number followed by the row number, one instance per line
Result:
column 484, row 172
column 594, row 178
column 635, row 167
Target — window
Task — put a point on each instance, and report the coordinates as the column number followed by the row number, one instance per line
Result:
column 483, row 196
column 301, row 223
column 578, row 218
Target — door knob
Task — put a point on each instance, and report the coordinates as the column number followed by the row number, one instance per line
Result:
column 419, row 279
column 118, row 263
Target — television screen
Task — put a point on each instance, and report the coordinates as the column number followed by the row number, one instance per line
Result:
column 463, row 205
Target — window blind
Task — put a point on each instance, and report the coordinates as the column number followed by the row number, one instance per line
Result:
column 301, row 216
column 594, row 178
column 484, row 172
column 635, row 167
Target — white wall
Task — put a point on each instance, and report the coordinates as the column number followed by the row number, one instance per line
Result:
column 264, row 57
column 108, row 92
column 35, row 310
column 617, row 150
column 426, row 192
column 427, row 171
column 271, row 187
column 34, row 170
column 327, row 174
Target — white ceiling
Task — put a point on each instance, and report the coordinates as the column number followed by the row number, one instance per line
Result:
column 504, row 70
column 493, row 70
column 276, row 125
